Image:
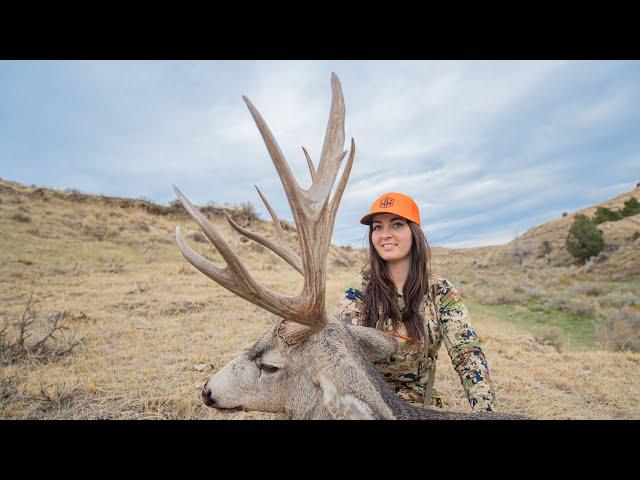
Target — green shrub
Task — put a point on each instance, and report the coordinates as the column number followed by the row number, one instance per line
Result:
column 631, row 207
column 605, row 215
column 584, row 239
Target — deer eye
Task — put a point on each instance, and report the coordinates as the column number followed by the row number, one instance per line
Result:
column 268, row 368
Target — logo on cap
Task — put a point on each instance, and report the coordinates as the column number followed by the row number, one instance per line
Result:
column 386, row 202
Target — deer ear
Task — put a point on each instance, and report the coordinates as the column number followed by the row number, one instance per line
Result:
column 377, row 345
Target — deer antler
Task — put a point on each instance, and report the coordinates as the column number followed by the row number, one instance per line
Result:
column 314, row 215
column 279, row 246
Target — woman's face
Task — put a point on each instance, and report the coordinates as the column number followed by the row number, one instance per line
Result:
column 391, row 237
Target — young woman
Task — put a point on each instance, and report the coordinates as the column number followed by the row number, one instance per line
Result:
column 397, row 293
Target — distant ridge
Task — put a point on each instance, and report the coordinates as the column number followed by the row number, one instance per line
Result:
column 543, row 245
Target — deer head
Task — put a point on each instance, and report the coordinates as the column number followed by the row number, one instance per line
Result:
column 302, row 363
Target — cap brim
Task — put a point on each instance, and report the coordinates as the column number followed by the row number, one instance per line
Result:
column 367, row 219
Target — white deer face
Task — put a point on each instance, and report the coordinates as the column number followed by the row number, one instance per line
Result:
column 252, row 380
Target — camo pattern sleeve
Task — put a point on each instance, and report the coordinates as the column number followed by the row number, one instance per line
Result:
column 351, row 308
column 464, row 348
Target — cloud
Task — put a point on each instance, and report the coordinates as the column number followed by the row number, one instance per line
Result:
column 484, row 147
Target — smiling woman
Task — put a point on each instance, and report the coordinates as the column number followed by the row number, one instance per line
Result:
column 397, row 293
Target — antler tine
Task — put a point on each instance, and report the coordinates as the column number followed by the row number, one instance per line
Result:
column 280, row 233
column 332, row 153
column 235, row 276
column 337, row 196
column 291, row 187
column 210, row 269
column 274, row 217
column 212, row 234
column 233, row 262
column 281, row 248
column 312, row 169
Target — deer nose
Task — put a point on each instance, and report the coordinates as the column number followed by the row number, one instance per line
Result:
column 206, row 397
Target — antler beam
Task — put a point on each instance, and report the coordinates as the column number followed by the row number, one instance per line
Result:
column 314, row 216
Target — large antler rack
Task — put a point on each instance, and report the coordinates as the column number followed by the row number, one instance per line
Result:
column 314, row 215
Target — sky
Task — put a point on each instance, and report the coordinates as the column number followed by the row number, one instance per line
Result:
column 487, row 149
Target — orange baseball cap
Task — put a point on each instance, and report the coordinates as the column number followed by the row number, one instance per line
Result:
column 393, row 202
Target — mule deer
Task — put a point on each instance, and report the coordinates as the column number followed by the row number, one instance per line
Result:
column 308, row 365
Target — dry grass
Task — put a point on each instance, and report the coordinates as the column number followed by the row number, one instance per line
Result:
column 153, row 329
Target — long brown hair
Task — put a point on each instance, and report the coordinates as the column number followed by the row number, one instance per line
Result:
column 380, row 296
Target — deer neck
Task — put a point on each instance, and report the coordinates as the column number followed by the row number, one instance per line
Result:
column 337, row 380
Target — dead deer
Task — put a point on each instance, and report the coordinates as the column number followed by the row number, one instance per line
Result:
column 308, row 365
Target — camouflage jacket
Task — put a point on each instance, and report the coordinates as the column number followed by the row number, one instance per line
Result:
column 446, row 320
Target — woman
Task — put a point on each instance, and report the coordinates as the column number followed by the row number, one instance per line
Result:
column 397, row 292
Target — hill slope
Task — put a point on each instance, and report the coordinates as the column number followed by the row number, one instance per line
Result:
column 152, row 329
column 544, row 245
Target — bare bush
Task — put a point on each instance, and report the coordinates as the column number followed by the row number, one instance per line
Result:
column 98, row 232
column 186, row 270
column 54, row 397
column 620, row 330
column 8, row 390
column 343, row 261
column 582, row 307
column 588, row 289
column 198, row 237
column 502, row 296
column 184, row 306
column 150, row 256
column 552, row 281
column 534, row 292
column 547, row 335
column 20, row 217
column 245, row 213
column 75, row 195
column 16, row 344
column 287, row 227
column 545, row 249
column 115, row 265
column 139, row 288
column 619, row 300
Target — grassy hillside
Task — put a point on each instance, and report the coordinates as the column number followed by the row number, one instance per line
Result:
column 144, row 329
